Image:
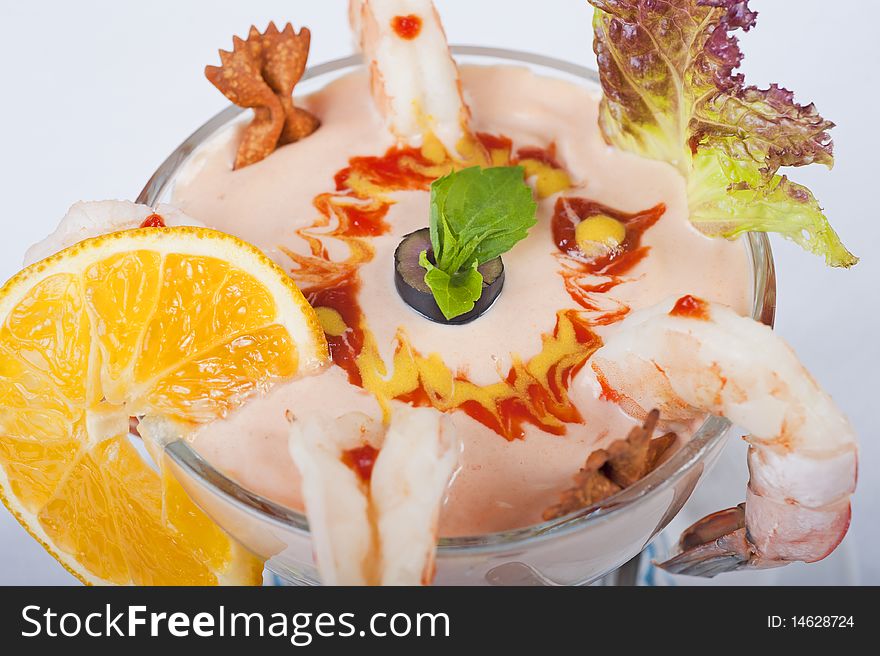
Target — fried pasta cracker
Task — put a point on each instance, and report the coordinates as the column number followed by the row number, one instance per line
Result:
column 260, row 74
column 608, row 471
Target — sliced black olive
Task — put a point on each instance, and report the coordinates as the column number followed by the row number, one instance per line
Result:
column 409, row 278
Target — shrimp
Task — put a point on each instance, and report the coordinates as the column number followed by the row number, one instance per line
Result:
column 414, row 79
column 373, row 500
column 93, row 218
column 686, row 357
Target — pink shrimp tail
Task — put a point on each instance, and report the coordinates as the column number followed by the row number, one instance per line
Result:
column 788, row 532
column 797, row 508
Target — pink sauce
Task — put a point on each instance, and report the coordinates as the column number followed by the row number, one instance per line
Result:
column 502, row 484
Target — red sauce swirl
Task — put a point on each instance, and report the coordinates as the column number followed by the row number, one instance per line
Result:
column 361, row 460
column 690, row 307
column 153, row 221
column 571, row 211
column 407, row 27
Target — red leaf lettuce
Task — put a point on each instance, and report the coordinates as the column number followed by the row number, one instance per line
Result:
column 671, row 93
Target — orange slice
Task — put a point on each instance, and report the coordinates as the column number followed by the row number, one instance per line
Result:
column 183, row 324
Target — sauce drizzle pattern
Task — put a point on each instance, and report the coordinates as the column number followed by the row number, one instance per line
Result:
column 588, row 281
column 531, row 393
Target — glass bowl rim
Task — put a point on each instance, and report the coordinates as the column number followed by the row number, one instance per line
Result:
column 707, row 436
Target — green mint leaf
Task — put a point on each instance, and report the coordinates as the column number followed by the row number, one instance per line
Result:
column 440, row 232
column 476, row 215
column 479, row 214
column 455, row 294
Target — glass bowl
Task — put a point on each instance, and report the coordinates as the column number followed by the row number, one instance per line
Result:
column 573, row 550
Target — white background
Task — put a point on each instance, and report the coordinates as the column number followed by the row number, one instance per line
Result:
column 94, row 95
